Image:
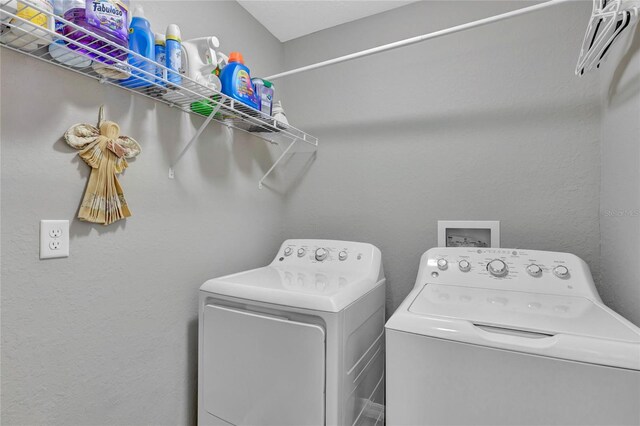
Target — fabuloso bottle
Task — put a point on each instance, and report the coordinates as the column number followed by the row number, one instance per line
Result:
column 236, row 81
column 59, row 50
column 141, row 41
column 106, row 18
column 174, row 54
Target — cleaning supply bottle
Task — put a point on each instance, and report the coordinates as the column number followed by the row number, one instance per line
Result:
column 106, row 18
column 29, row 35
column 161, row 58
column 174, row 54
column 264, row 92
column 141, row 41
column 59, row 49
column 236, row 81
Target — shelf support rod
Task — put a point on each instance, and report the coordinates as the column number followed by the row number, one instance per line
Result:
column 418, row 39
column 276, row 163
column 193, row 139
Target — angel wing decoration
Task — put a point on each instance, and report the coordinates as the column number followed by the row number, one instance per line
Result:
column 105, row 151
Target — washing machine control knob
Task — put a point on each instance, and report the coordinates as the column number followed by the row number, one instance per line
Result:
column 288, row 251
column 443, row 264
column 534, row 270
column 301, row 252
column 321, row 254
column 497, row 268
column 561, row 271
column 464, row 265
column 342, row 255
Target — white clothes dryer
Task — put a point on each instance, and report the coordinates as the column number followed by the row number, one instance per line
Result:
column 297, row 342
column 509, row 336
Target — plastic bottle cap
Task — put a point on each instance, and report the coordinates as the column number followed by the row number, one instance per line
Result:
column 173, row 32
column 160, row 39
column 236, row 57
column 138, row 11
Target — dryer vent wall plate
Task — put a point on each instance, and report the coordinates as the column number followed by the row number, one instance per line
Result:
column 469, row 233
column 54, row 239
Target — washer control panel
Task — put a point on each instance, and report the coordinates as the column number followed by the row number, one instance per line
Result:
column 509, row 269
column 333, row 254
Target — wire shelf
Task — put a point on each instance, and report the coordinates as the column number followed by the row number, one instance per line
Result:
column 82, row 51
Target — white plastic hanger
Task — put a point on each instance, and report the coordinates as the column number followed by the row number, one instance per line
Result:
column 608, row 19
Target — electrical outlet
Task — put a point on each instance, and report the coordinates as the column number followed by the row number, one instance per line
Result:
column 54, row 238
column 55, row 232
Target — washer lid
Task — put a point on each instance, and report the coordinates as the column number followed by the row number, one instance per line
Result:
column 573, row 328
column 307, row 288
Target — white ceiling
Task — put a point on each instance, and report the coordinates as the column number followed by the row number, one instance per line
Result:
column 289, row 19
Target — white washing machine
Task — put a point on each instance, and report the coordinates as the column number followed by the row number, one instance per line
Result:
column 297, row 342
column 506, row 336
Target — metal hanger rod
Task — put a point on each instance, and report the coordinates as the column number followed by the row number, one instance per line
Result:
column 418, row 39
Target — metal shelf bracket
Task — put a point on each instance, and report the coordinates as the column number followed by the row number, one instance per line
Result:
column 193, row 139
column 273, row 166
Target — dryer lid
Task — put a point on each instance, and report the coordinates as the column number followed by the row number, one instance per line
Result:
column 573, row 328
column 307, row 288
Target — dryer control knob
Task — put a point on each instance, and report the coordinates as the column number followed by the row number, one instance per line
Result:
column 321, row 254
column 443, row 264
column 342, row 255
column 561, row 271
column 497, row 268
column 288, row 251
column 301, row 252
column 464, row 265
column 534, row 270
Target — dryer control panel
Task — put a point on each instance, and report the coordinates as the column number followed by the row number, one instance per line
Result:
column 531, row 271
column 327, row 254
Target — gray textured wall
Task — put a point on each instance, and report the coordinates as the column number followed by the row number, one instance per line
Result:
column 486, row 124
column 620, row 194
column 109, row 335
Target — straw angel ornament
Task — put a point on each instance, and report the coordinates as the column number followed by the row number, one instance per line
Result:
column 105, row 151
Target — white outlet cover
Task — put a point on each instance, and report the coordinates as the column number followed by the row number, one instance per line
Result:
column 54, row 239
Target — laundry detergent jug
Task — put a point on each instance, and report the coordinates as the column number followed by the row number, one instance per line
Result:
column 236, row 81
column 200, row 60
column 141, row 42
